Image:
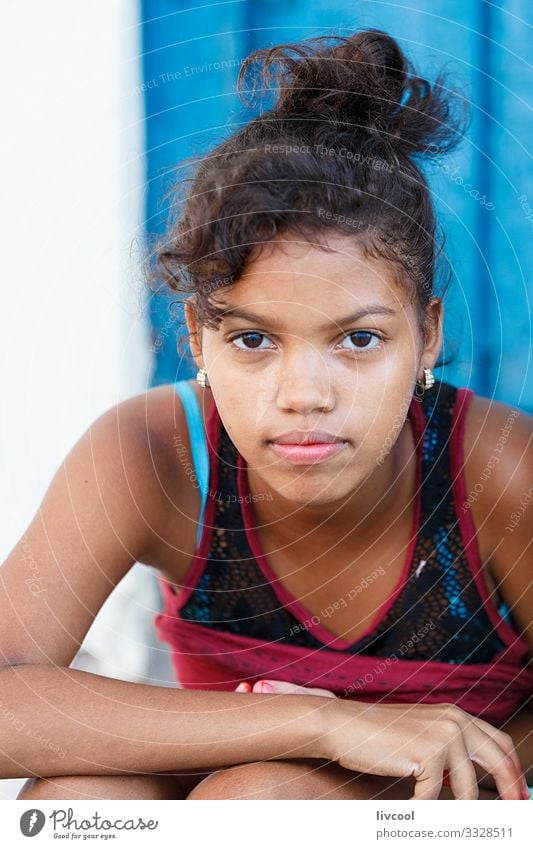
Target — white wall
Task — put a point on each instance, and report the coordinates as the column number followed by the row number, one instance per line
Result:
column 73, row 335
column 73, row 340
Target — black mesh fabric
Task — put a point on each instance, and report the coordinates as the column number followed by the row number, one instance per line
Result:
column 438, row 613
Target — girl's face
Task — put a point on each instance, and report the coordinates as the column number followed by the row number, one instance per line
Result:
column 329, row 342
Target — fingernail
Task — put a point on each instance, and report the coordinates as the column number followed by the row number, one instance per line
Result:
column 266, row 687
column 241, row 688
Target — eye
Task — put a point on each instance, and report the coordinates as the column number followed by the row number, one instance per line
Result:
column 254, row 338
column 362, row 338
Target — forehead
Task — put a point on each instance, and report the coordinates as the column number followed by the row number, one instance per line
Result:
column 291, row 271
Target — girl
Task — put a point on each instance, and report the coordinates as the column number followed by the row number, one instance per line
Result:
column 312, row 503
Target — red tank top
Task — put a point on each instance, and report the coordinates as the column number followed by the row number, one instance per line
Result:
column 438, row 638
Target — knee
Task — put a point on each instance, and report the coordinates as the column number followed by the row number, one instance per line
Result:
column 295, row 779
column 137, row 786
column 257, row 780
column 59, row 787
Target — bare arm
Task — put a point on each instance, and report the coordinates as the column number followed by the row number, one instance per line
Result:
column 58, row 720
column 114, row 727
column 502, row 514
column 104, row 508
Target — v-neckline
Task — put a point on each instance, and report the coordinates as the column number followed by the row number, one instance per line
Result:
column 305, row 619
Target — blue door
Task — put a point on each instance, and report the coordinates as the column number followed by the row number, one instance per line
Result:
column 483, row 191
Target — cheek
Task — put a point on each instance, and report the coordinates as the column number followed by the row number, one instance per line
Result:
column 248, row 400
column 237, row 409
column 390, row 420
column 375, row 414
column 264, row 401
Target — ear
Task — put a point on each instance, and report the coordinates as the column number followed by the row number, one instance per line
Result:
column 433, row 342
column 195, row 335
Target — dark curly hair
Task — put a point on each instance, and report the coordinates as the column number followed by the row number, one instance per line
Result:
column 337, row 151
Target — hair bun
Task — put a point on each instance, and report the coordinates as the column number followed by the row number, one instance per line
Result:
column 365, row 81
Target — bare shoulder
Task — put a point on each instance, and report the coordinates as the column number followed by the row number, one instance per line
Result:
column 498, row 452
column 174, row 542
column 116, row 494
column 498, row 446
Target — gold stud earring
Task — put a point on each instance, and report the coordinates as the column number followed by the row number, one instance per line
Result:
column 201, row 377
column 425, row 383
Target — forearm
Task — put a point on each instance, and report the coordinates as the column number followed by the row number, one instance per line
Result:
column 520, row 727
column 62, row 721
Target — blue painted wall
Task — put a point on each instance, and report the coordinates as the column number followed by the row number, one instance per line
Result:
column 484, row 198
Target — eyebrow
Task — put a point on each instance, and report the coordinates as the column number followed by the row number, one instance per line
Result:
column 369, row 309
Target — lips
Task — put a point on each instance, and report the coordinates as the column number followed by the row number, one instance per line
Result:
column 306, row 437
column 307, row 453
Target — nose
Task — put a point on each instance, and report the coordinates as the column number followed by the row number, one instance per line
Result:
column 304, row 384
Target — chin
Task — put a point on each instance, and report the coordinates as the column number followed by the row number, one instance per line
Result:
column 319, row 492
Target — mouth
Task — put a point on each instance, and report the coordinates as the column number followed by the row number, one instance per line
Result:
column 306, row 437
column 308, row 453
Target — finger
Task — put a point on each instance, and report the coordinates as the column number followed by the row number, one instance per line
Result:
column 287, row 688
column 461, row 771
column 243, row 687
column 429, row 783
column 477, row 732
column 500, row 765
column 509, row 748
column 503, row 740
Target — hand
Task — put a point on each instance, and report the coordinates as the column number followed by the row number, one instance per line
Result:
column 422, row 741
column 452, row 742
column 285, row 687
